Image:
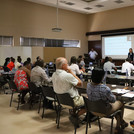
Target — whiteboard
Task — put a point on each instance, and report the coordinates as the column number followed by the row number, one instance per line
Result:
column 14, row 51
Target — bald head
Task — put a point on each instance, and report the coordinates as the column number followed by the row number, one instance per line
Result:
column 60, row 62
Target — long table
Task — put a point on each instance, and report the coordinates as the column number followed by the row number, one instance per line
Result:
column 83, row 87
column 122, row 78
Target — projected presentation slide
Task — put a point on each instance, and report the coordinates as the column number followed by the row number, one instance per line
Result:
column 117, row 47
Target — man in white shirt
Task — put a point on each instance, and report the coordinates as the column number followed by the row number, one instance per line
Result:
column 38, row 74
column 93, row 54
column 40, row 78
column 64, row 80
column 127, row 66
column 108, row 66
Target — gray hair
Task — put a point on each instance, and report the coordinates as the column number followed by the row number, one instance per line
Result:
column 59, row 62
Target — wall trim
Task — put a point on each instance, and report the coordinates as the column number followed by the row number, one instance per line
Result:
column 126, row 30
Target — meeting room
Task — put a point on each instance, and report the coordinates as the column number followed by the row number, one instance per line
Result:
column 66, row 66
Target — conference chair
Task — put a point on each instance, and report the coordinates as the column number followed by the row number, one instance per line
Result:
column 34, row 94
column 14, row 89
column 3, row 81
column 49, row 94
column 98, row 109
column 65, row 101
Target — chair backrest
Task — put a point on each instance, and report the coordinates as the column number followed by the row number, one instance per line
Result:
column 95, row 106
column 12, row 85
column 32, row 86
column 48, row 91
column 65, row 99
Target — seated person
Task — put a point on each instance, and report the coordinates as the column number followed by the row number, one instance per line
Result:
column 127, row 66
column 21, row 79
column 7, row 61
column 18, row 63
column 65, row 81
column 97, row 91
column 40, row 78
column 29, row 60
column 82, row 63
column 108, row 66
column 11, row 64
column 73, row 66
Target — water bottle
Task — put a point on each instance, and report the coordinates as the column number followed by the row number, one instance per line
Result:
column 47, row 72
column 81, row 77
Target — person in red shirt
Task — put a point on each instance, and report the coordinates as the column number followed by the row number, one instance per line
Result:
column 11, row 64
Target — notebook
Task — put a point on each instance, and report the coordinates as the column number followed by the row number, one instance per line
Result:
column 130, row 94
column 120, row 91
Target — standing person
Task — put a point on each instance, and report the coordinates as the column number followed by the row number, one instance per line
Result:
column 127, row 67
column 131, row 55
column 93, row 54
column 21, row 78
column 97, row 91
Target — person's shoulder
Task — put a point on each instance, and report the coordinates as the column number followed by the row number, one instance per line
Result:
column 75, row 65
column 105, row 87
column 106, row 63
column 88, row 84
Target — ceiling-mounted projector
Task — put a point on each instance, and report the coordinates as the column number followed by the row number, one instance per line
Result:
column 56, row 29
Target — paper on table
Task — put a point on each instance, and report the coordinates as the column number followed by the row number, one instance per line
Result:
column 130, row 94
column 120, row 91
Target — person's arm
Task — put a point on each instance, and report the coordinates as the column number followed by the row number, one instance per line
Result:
column 27, row 71
column 113, row 67
column 96, row 53
column 79, row 81
column 45, row 77
column 110, row 95
column 132, row 67
column 77, row 70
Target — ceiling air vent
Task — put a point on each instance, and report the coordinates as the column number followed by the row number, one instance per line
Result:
column 119, row 1
column 99, row 6
column 88, row 8
column 88, row 0
column 70, row 3
column 67, row 3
